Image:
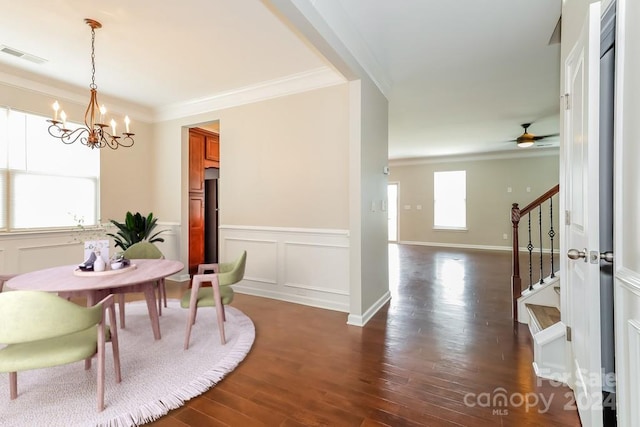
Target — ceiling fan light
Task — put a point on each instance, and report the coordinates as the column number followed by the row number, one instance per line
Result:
column 525, row 144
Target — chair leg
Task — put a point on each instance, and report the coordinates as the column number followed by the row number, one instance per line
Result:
column 219, row 310
column 100, row 379
column 87, row 364
column 190, row 321
column 13, row 385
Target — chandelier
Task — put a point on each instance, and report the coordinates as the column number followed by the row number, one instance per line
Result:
column 95, row 133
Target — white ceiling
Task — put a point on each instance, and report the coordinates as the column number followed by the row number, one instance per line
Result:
column 460, row 76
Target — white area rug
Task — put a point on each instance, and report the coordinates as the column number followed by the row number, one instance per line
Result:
column 157, row 376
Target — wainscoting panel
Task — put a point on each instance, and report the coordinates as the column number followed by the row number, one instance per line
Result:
column 262, row 267
column 29, row 251
column 305, row 266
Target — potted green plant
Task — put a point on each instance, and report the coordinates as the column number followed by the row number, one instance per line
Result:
column 134, row 229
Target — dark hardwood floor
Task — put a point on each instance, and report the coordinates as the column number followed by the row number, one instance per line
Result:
column 443, row 352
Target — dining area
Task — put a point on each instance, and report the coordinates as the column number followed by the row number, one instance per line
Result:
column 41, row 326
column 59, row 315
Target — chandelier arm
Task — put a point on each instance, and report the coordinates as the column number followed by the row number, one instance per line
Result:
column 65, row 135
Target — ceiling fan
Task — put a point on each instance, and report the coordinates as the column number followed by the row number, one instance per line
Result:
column 528, row 139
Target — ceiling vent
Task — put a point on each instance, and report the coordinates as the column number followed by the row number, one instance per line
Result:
column 22, row 55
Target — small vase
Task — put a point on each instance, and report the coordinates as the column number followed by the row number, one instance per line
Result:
column 99, row 264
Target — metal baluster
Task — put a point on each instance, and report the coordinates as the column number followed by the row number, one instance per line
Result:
column 530, row 249
column 540, row 232
column 551, row 235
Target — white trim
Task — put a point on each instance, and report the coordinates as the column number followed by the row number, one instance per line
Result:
column 496, row 155
column 470, row 246
column 457, row 245
column 628, row 279
column 327, row 231
column 295, row 83
column 74, row 95
column 361, row 320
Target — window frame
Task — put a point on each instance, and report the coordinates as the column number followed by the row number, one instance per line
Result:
column 8, row 171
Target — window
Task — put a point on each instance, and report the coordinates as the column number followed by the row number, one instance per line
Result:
column 44, row 183
column 450, row 200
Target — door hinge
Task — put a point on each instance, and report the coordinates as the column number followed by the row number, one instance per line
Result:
column 567, row 218
column 568, row 333
column 567, row 104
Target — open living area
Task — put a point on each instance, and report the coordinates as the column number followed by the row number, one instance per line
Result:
column 340, row 212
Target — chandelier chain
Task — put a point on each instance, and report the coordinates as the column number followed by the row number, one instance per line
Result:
column 93, row 59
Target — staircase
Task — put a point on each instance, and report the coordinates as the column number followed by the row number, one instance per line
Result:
column 538, row 304
column 540, row 310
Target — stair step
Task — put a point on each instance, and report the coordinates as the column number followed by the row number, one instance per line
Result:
column 544, row 316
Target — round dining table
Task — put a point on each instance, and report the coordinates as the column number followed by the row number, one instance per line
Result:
column 140, row 276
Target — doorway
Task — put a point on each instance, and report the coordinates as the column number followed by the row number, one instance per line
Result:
column 392, row 211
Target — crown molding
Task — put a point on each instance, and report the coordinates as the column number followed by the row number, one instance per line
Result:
column 498, row 155
column 295, row 83
column 75, row 95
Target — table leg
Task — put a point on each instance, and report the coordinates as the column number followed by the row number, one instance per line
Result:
column 150, row 296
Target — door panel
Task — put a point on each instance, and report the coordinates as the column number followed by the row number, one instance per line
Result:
column 582, row 228
column 626, row 219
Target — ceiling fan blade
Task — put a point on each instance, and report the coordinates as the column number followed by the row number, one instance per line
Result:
column 538, row 137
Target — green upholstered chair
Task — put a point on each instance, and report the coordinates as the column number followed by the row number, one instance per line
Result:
column 224, row 275
column 42, row 330
column 144, row 250
column 4, row 278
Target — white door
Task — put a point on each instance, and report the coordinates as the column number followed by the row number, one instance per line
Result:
column 581, row 234
column 627, row 213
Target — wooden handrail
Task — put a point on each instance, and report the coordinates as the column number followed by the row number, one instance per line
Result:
column 540, row 200
column 516, row 214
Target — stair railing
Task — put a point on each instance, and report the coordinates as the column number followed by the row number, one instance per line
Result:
column 516, row 215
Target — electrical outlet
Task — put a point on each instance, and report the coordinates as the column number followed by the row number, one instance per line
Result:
column 504, row 236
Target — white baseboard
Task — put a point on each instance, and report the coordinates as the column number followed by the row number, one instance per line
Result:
column 470, row 246
column 361, row 320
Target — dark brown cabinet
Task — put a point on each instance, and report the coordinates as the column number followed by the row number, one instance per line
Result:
column 212, row 149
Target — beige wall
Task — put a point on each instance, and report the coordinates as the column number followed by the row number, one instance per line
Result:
column 283, row 163
column 488, row 199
